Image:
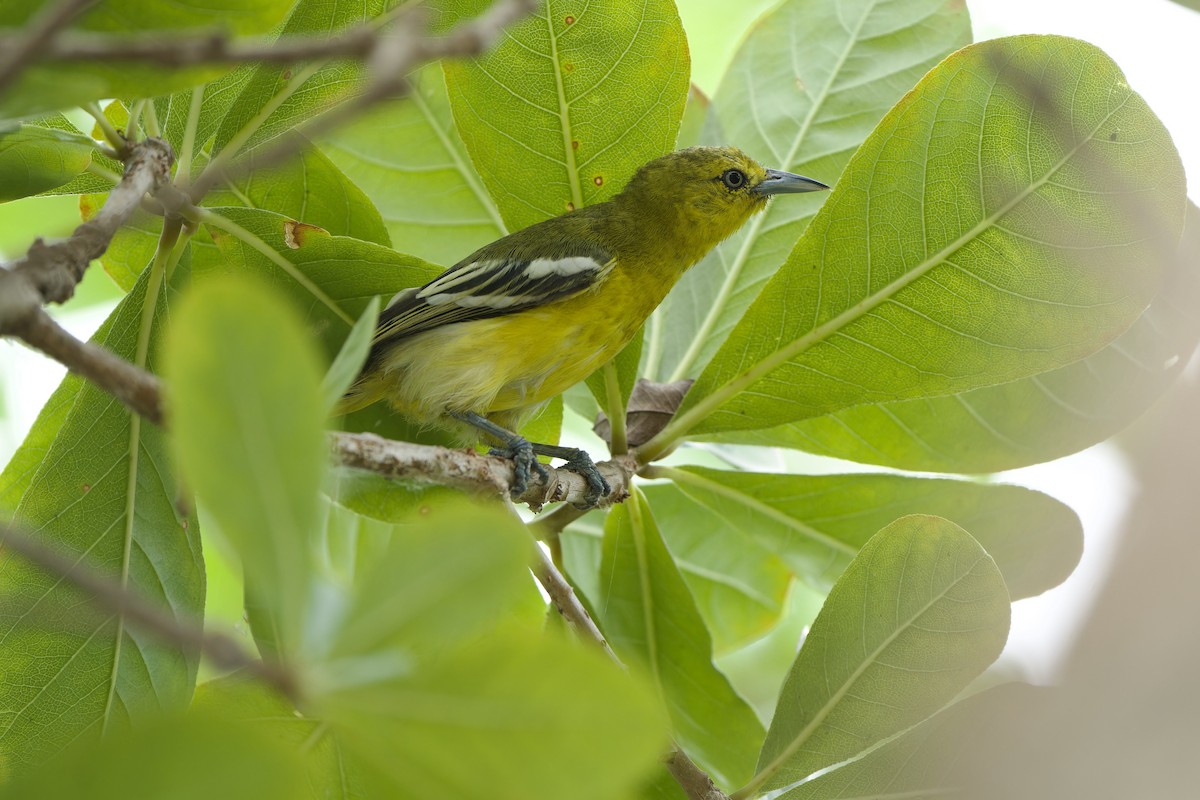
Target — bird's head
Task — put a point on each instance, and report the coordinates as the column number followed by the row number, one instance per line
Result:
column 710, row 190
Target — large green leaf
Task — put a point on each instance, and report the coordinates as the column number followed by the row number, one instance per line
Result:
column 919, row 614
column 574, row 99
column 330, row 278
column 49, row 87
column 512, row 717
column 185, row 758
column 332, row 774
column 926, row 761
column 95, row 484
column 408, row 157
column 649, row 617
column 818, row 523
column 35, row 159
column 246, row 416
column 275, row 98
column 806, row 87
column 739, row 585
column 1009, row 216
column 1028, row 421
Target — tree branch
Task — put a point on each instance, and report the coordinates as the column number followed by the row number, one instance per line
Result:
column 223, row 650
column 49, row 273
column 472, row 472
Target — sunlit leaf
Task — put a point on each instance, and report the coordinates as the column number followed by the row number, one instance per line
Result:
column 646, row 611
column 818, row 523
column 919, row 613
column 97, row 485
column 407, row 156
column 982, row 235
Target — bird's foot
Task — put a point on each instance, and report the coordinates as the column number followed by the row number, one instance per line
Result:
column 581, row 463
column 525, row 463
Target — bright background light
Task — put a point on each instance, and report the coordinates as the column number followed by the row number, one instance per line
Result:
column 1155, row 42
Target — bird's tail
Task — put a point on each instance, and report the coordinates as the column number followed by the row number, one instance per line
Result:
column 361, row 394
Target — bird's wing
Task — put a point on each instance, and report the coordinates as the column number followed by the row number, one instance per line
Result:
column 490, row 287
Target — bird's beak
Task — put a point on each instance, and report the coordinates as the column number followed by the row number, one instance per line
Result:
column 778, row 182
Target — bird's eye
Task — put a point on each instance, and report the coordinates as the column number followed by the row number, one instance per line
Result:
column 734, row 178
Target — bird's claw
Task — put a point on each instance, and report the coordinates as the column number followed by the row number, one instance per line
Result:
column 581, row 464
column 525, row 462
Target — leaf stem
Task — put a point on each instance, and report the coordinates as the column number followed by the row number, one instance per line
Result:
column 615, row 407
column 187, row 150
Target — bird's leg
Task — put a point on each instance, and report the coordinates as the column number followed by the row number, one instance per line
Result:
column 579, row 462
column 514, row 447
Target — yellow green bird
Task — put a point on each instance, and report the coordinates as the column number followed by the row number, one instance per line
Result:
column 489, row 341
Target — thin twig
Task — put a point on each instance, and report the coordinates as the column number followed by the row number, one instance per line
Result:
column 472, row 472
column 32, row 43
column 224, row 651
column 138, row 389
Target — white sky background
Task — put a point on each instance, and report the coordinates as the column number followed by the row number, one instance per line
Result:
column 1157, row 44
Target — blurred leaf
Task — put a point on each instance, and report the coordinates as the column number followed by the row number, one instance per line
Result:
column 572, row 101
column 351, row 357
column 332, row 774
column 739, row 585
column 340, row 274
column 650, row 619
column 922, row 761
column 818, row 523
column 919, row 614
column 93, row 483
column 1028, row 421
column 546, row 426
column 330, row 81
column 49, row 87
column 189, row 758
column 438, row 583
column 980, row 237
column 34, row 160
column 514, row 717
column 87, row 182
column 246, row 417
column 374, row 496
column 408, row 157
column 22, row 221
column 805, row 89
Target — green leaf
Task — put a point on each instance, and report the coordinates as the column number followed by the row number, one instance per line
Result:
column 818, row 523
column 308, row 189
column 275, row 98
column 571, row 102
column 409, row 159
column 612, row 384
column 188, row 758
column 351, row 357
column 927, row 760
column 519, row 716
column 331, row 278
column 35, row 160
column 739, row 585
column 95, row 484
column 332, row 773
column 1028, row 421
column 49, row 87
column 442, row 581
column 650, row 619
column 919, row 614
column 246, row 416
column 973, row 239
column 805, row 89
